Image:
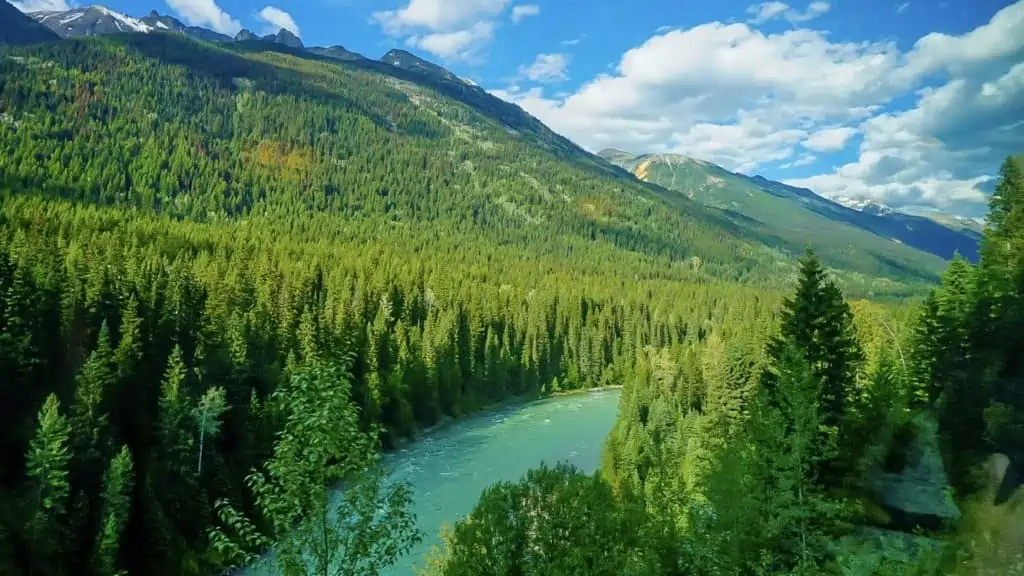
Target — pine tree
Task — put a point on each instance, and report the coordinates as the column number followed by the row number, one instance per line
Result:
column 173, row 428
column 117, row 501
column 129, row 347
column 88, row 422
column 818, row 324
column 47, row 467
column 797, row 518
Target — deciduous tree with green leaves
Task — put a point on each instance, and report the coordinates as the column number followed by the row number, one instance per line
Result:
column 323, row 498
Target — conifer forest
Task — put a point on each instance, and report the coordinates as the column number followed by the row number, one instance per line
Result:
column 232, row 278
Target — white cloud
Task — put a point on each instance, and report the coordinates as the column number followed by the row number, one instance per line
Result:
column 937, row 153
column 901, row 8
column 205, row 13
column 451, row 29
column 573, row 41
column 42, row 6
column 437, row 15
column 523, row 10
column 735, row 95
column 547, row 68
column 804, row 160
column 457, row 45
column 832, row 139
column 767, row 11
column 278, row 19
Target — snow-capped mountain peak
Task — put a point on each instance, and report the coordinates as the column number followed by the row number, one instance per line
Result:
column 89, row 21
column 863, row 205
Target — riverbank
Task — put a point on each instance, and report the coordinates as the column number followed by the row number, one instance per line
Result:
column 511, row 402
column 452, row 465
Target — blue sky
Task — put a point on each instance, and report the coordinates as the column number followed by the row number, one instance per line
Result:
column 910, row 103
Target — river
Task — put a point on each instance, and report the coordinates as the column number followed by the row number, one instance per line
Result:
column 450, row 467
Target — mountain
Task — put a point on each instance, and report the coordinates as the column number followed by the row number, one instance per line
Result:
column 863, row 205
column 337, row 53
column 157, row 21
column 791, row 216
column 17, row 28
column 401, row 140
column 89, row 21
column 408, row 61
column 285, row 38
column 245, row 35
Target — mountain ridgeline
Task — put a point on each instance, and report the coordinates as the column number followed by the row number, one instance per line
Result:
column 794, row 215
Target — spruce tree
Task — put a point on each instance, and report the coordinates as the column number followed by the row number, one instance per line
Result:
column 817, row 323
column 47, row 468
column 117, row 501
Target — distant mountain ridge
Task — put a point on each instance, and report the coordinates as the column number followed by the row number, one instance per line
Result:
column 795, row 214
column 157, row 21
column 89, row 21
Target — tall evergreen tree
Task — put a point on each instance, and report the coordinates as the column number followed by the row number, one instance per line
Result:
column 117, row 492
column 48, row 461
column 817, row 322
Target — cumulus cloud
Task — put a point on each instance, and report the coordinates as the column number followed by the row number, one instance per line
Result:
column 524, row 10
column 940, row 152
column 832, row 139
column 42, row 6
column 547, row 68
column 457, row 45
column 767, row 11
column 734, row 95
column 451, row 29
column 205, row 13
column 277, row 19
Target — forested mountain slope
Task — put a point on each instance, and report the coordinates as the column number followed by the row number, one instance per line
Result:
column 794, row 216
column 249, row 128
column 17, row 28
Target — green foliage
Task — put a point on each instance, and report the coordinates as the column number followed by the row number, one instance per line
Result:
column 207, row 414
column 359, row 531
column 818, row 324
column 896, row 245
column 117, row 491
column 47, row 469
column 557, row 521
column 966, row 352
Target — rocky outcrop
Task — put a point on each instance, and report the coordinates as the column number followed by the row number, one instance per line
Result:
column 918, row 496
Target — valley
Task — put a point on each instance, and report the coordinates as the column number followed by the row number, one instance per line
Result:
column 261, row 295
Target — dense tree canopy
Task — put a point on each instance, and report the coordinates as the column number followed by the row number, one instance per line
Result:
column 212, row 259
column 757, row 450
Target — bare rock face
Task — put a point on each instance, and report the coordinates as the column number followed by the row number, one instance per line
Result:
column 918, row 496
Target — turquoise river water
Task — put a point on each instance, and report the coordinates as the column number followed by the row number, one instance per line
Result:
column 449, row 468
